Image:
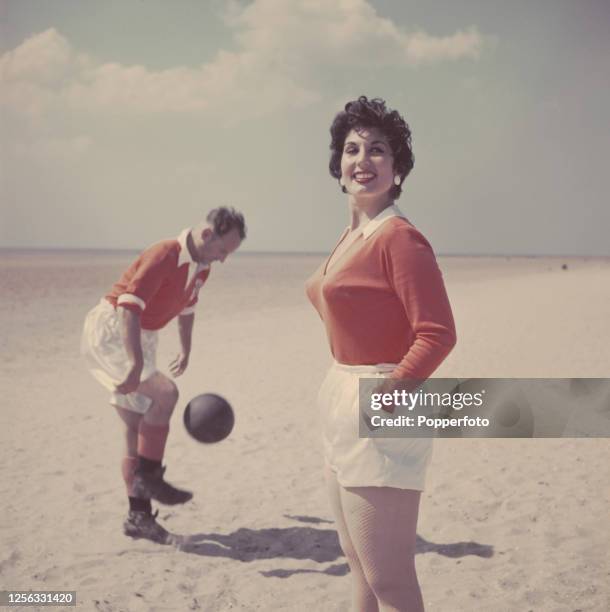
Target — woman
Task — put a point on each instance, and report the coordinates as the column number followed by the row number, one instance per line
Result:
column 382, row 299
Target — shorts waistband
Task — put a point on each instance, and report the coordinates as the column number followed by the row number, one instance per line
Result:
column 380, row 368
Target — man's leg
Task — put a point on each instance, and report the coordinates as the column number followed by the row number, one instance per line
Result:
column 140, row 522
column 129, row 463
column 152, row 435
column 131, row 421
column 108, row 364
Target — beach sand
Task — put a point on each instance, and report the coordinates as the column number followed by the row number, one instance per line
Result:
column 505, row 525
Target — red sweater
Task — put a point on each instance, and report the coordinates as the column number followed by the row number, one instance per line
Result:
column 384, row 300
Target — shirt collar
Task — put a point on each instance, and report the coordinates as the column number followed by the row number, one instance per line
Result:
column 185, row 256
column 382, row 217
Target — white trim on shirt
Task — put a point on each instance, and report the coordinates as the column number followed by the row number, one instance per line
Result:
column 376, row 222
column 130, row 298
column 185, row 257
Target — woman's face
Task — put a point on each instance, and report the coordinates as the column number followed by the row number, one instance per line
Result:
column 367, row 163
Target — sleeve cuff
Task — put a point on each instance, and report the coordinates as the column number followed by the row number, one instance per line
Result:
column 189, row 310
column 129, row 299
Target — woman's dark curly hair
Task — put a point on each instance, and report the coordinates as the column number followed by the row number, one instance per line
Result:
column 365, row 113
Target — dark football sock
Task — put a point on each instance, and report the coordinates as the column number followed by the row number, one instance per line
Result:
column 147, row 465
column 140, row 505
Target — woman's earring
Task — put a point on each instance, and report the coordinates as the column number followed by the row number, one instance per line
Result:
column 397, row 180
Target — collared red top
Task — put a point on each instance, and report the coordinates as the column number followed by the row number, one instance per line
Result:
column 384, row 300
column 162, row 283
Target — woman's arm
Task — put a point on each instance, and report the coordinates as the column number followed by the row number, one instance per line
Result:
column 417, row 280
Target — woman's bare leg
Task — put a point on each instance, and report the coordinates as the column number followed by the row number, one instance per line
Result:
column 363, row 598
column 381, row 523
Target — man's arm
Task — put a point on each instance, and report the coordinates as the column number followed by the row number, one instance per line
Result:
column 185, row 331
column 131, row 334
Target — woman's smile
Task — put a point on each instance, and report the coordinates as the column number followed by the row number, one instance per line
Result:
column 364, row 177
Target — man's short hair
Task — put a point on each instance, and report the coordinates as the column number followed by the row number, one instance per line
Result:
column 223, row 219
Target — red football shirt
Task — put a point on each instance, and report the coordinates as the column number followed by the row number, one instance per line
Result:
column 162, row 283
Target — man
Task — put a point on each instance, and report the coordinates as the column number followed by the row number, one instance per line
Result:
column 119, row 342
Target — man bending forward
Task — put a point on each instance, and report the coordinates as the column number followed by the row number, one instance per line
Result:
column 119, row 343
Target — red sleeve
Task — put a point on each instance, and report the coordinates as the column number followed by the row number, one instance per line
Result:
column 144, row 277
column 417, row 280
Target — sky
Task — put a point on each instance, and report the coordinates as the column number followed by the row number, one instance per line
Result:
column 124, row 121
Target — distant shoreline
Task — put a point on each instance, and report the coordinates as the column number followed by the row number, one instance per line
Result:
column 121, row 252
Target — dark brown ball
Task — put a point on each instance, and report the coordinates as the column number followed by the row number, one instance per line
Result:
column 209, row 418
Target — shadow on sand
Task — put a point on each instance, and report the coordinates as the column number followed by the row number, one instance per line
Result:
column 319, row 545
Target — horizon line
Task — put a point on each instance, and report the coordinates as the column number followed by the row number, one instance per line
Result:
column 119, row 250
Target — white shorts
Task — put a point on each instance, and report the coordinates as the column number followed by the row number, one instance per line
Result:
column 106, row 357
column 366, row 462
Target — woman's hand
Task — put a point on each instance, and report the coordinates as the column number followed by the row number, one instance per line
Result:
column 386, row 385
column 398, row 388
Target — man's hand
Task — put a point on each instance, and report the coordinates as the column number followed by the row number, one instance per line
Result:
column 132, row 381
column 179, row 364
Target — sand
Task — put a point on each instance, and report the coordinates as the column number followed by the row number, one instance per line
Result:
column 504, row 524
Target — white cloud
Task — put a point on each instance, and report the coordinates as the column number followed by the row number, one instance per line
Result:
column 223, row 85
column 43, row 58
column 284, row 49
column 423, row 48
column 340, row 33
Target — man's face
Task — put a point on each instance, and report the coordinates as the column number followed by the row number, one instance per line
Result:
column 218, row 248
